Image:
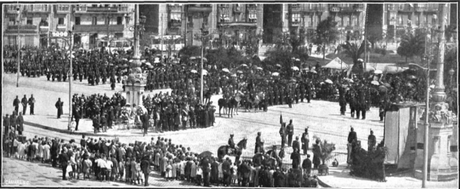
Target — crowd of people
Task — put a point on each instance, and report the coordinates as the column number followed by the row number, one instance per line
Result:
column 110, row 160
column 250, row 84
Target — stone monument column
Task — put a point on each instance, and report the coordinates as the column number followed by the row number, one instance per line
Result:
column 441, row 163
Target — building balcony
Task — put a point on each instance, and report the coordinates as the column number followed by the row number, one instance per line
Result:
column 431, row 9
column 358, row 8
column 392, row 8
column 102, row 9
column 237, row 9
column 11, row 9
column 334, row 9
column 406, row 9
column 21, row 29
column 174, row 24
column 98, row 28
column 38, row 9
column 199, row 9
column 62, row 9
column 238, row 24
column 44, row 29
column 347, row 9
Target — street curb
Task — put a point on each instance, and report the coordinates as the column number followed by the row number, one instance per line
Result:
column 59, row 130
column 101, row 134
column 323, row 184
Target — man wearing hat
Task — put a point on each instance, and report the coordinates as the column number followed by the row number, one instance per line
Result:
column 296, row 144
column 231, row 144
column 371, row 141
column 305, row 141
column 306, row 165
column 259, row 143
column 290, row 132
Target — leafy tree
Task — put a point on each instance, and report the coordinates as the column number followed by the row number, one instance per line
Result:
column 326, row 32
column 251, row 44
column 188, row 51
column 354, row 51
column 412, row 45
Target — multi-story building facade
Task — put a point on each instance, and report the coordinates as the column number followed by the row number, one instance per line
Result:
column 27, row 25
column 97, row 25
column 398, row 17
column 45, row 24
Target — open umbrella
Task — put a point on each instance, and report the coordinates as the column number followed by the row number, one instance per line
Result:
column 259, row 68
column 278, row 65
column 387, row 85
column 205, row 72
column 378, row 72
column 275, row 74
column 375, row 83
column 312, row 71
column 148, row 64
column 295, row 68
column 383, row 89
column 205, row 154
column 192, row 58
column 244, row 65
column 226, row 70
column 233, row 75
column 193, row 71
column 239, row 71
column 328, row 81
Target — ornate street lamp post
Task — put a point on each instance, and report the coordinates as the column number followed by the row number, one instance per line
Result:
column 136, row 77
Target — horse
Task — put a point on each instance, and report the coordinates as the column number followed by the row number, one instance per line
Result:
column 232, row 106
column 222, row 104
column 264, row 159
column 207, row 96
column 277, row 158
column 224, row 150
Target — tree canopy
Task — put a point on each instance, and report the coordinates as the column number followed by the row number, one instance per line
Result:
column 412, row 45
column 327, row 32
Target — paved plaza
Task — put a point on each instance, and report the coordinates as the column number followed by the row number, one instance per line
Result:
column 322, row 118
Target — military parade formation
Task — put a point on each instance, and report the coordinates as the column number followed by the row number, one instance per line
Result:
column 126, row 96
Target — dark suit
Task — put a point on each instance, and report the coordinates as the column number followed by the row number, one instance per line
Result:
column 145, row 167
column 64, row 159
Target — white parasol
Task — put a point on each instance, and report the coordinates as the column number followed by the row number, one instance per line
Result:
column 375, row 83
column 193, row 71
column 295, row 68
column 226, row 70
column 275, row 74
column 328, row 81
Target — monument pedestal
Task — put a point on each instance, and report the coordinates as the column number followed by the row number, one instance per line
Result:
column 134, row 93
column 442, row 162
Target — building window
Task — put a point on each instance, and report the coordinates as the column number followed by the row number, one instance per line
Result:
column 12, row 21
column 77, row 20
column 61, row 21
column 94, row 20
column 296, row 17
column 29, row 21
column 118, row 35
column 205, row 21
column 119, row 20
column 252, row 17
